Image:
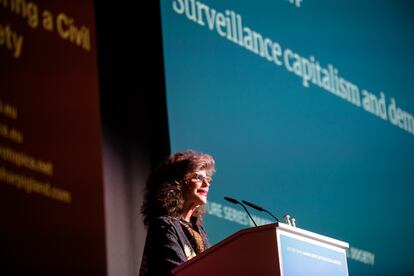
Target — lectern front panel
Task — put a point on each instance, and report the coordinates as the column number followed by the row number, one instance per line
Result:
column 304, row 256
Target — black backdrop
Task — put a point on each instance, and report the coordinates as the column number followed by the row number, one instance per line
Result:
column 134, row 120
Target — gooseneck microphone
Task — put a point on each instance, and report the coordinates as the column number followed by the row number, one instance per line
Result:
column 235, row 201
column 259, row 208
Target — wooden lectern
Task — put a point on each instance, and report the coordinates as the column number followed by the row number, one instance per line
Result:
column 273, row 249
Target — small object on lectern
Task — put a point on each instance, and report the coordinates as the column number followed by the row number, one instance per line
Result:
column 287, row 220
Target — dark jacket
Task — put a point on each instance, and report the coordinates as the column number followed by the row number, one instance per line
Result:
column 167, row 246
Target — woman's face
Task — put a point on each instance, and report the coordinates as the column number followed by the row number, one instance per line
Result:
column 196, row 190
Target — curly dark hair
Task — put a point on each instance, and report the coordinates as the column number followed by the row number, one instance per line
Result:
column 165, row 185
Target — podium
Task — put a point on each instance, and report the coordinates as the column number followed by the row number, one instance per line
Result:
column 273, row 249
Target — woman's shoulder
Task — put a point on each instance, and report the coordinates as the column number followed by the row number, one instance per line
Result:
column 173, row 222
column 166, row 221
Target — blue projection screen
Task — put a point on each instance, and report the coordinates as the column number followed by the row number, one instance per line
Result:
column 307, row 107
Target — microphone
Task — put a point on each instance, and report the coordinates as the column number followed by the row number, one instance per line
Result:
column 259, row 208
column 235, row 201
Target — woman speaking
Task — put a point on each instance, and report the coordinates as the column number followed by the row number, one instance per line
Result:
column 175, row 195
